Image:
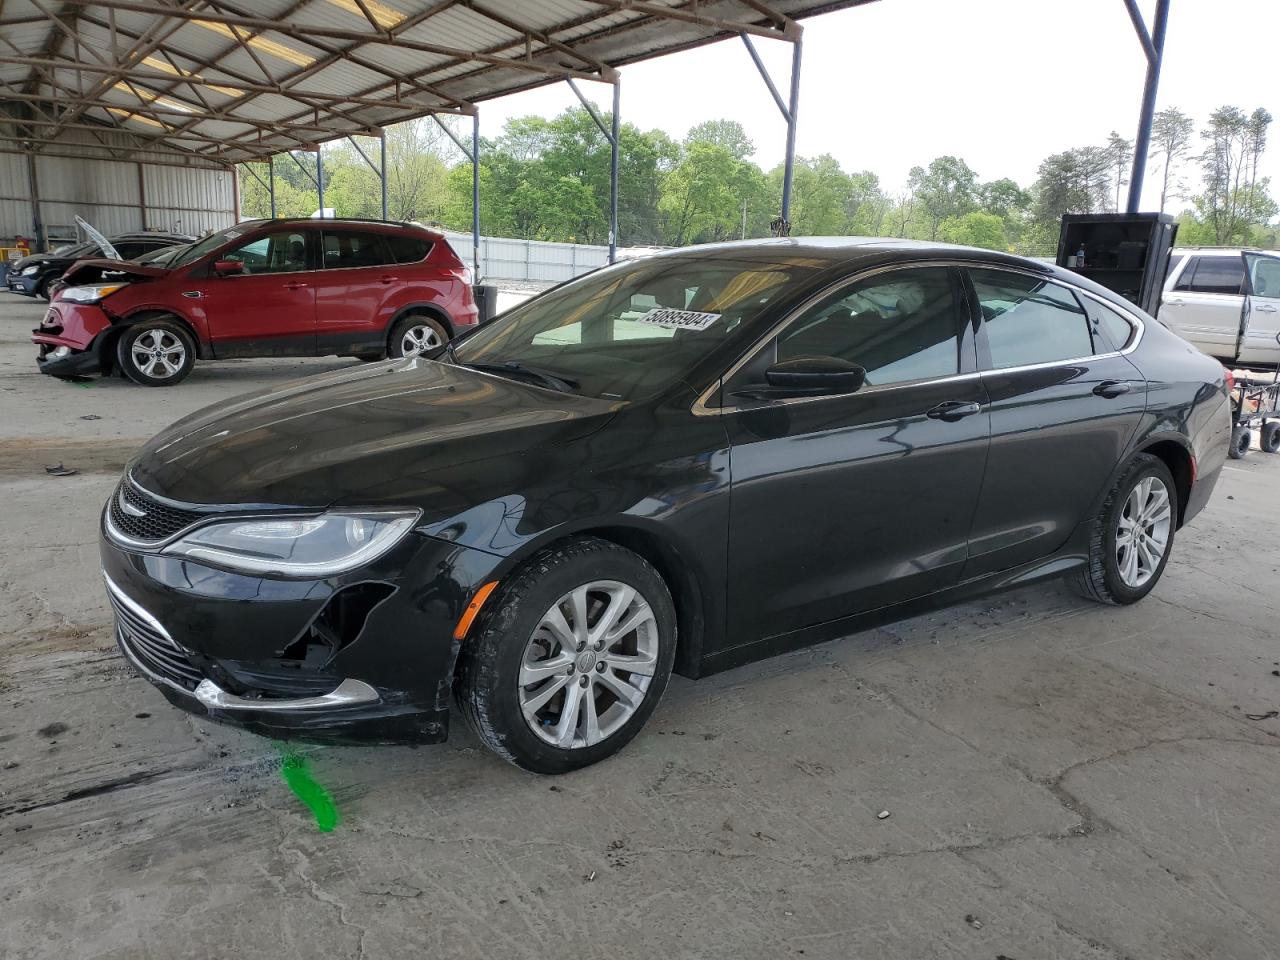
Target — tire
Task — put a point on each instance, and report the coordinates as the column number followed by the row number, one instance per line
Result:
column 417, row 326
column 169, row 346
column 1102, row 579
column 42, row 289
column 1241, row 437
column 512, row 636
column 1269, row 441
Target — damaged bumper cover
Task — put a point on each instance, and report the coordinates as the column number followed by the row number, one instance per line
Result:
column 363, row 657
column 68, row 340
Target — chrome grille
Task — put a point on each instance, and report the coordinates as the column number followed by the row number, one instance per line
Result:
column 140, row 517
column 150, row 646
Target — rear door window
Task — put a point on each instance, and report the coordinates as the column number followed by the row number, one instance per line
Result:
column 1110, row 330
column 344, row 249
column 1029, row 320
column 1223, row 275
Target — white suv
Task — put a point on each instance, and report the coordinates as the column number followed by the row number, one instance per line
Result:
column 1226, row 302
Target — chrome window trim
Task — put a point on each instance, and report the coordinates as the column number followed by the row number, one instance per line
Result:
column 700, row 407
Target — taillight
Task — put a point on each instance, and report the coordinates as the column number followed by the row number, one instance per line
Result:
column 465, row 275
column 1230, row 378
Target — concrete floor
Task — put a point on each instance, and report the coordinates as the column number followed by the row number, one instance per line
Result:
column 1063, row 780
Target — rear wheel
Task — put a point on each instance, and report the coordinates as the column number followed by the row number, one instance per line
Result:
column 572, row 659
column 1132, row 535
column 415, row 335
column 1241, row 437
column 156, row 353
column 1269, row 441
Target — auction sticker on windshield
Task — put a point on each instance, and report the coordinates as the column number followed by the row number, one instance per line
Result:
column 680, row 319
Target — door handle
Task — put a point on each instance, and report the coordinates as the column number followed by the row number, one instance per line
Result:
column 1174, row 301
column 386, row 279
column 1112, row 388
column 1265, row 308
column 953, row 410
column 294, row 285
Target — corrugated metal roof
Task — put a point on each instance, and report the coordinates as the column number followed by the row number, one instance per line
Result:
column 244, row 80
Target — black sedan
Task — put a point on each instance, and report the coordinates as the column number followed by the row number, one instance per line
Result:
column 686, row 462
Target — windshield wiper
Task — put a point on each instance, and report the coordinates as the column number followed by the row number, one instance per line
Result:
column 516, row 368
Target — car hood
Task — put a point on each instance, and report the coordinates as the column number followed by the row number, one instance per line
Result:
column 325, row 439
column 92, row 270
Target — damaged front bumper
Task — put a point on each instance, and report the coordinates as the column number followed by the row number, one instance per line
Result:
column 68, row 340
column 364, row 657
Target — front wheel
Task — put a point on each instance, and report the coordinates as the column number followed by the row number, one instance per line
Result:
column 573, row 658
column 156, row 353
column 1132, row 535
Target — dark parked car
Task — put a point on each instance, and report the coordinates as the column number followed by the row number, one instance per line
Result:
column 36, row 274
column 263, row 288
column 685, row 462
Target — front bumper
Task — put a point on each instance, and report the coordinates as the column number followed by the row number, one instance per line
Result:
column 23, row 285
column 271, row 655
column 68, row 339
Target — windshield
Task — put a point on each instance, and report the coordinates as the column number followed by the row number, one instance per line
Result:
column 634, row 328
column 162, row 256
column 74, row 250
column 214, row 240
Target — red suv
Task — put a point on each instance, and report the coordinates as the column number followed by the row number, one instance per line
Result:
column 264, row 288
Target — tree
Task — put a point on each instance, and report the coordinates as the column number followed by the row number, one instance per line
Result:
column 702, row 198
column 1074, row 181
column 1171, row 132
column 1234, row 144
column 946, row 188
column 723, row 133
column 975, row 229
column 1119, row 154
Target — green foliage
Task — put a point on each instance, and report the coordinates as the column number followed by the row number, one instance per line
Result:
column 946, row 189
column 975, row 229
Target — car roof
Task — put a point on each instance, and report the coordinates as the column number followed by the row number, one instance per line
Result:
column 342, row 221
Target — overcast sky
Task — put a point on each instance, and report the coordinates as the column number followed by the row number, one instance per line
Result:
column 1000, row 83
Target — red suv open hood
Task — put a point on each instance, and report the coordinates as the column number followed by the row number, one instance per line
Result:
column 90, row 271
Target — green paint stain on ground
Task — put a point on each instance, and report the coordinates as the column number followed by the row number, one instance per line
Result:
column 296, row 773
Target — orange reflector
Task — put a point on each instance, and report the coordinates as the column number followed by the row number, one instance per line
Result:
column 473, row 609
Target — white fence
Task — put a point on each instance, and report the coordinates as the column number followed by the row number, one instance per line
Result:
column 502, row 258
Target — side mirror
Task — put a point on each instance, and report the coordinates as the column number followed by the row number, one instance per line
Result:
column 228, row 268
column 814, row 376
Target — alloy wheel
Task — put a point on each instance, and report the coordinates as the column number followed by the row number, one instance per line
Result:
column 588, row 664
column 419, row 338
column 158, row 353
column 1142, row 536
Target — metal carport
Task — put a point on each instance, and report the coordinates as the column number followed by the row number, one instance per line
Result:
column 219, row 83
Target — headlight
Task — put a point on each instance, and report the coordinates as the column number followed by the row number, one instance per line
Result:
column 297, row 546
column 91, row 294
column 28, row 271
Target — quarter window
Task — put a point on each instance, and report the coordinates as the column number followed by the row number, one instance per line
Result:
column 406, row 248
column 1029, row 320
column 350, row 248
column 281, row 251
column 1213, row 275
column 899, row 327
column 1110, row 330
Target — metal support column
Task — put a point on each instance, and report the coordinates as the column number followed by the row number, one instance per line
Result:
column 1153, row 47
column 789, row 109
column 475, row 194
column 320, row 177
column 382, row 149
column 611, row 133
column 271, row 184
column 613, row 170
